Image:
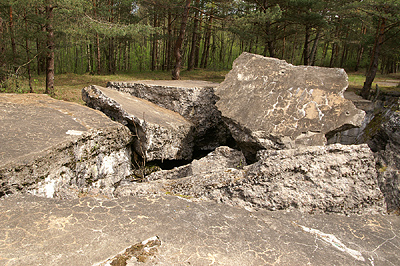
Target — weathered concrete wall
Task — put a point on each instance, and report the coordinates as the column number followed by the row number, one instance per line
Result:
column 194, row 100
column 268, row 103
column 57, row 149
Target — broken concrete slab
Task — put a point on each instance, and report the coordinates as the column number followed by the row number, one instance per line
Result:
column 161, row 134
column 54, row 148
column 268, row 103
column 208, row 173
column 335, row 178
column 354, row 135
column 221, row 159
column 87, row 231
column 194, row 100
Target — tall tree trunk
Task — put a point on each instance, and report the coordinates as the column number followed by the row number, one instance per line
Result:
column 178, row 57
column 324, row 53
column 360, row 50
column 222, row 50
column 76, row 56
column 2, row 48
column 194, row 39
column 111, row 42
column 344, row 52
column 197, row 49
column 41, row 44
column 111, row 56
column 313, row 54
column 129, row 56
column 333, row 56
column 169, row 42
column 294, row 48
column 344, row 55
column 98, row 51
column 98, row 54
column 89, row 58
column 13, row 45
column 270, row 41
column 231, row 50
column 154, row 50
column 50, row 49
column 284, row 42
column 373, row 66
column 28, row 57
column 306, row 55
column 207, row 41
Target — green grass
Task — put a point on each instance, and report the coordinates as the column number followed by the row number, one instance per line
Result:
column 356, row 82
column 68, row 87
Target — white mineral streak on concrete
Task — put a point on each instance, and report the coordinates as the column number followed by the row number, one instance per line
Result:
column 107, row 164
column 47, row 189
column 336, row 243
column 50, row 188
column 154, row 238
column 74, row 133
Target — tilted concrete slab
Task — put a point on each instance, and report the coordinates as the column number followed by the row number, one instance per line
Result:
column 161, row 134
column 88, row 231
column 193, row 99
column 268, row 103
column 55, row 148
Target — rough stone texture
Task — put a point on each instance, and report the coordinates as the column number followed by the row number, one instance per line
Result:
column 268, row 103
column 86, row 231
column 194, row 100
column 354, row 135
column 335, row 178
column 383, row 136
column 160, row 133
column 59, row 149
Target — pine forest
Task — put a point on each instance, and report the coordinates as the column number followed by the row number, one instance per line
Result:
column 51, row 37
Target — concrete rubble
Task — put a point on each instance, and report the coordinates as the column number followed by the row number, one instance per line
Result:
column 285, row 198
column 334, row 178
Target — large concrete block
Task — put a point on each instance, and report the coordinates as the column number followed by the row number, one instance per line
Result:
column 193, row 99
column 54, row 148
column 161, row 134
column 268, row 103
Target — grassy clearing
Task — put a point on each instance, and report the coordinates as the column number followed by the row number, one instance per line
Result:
column 68, row 87
column 387, row 83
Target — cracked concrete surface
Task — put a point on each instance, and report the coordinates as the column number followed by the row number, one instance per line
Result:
column 88, row 231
